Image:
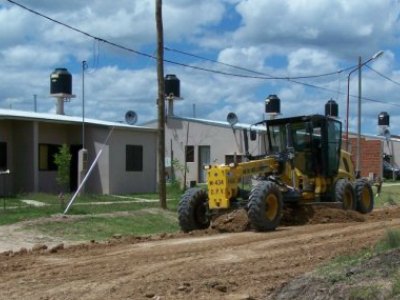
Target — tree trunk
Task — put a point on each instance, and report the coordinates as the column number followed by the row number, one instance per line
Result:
column 161, row 106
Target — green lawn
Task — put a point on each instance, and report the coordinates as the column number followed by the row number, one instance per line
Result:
column 100, row 228
column 139, row 217
column 15, row 209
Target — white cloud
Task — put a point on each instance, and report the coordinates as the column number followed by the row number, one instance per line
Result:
column 276, row 37
column 337, row 26
column 308, row 61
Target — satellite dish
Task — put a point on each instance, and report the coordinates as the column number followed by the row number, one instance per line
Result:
column 386, row 133
column 232, row 118
column 131, row 117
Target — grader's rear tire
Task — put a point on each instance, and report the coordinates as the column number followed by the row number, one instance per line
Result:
column 364, row 196
column 344, row 193
column 265, row 206
column 193, row 210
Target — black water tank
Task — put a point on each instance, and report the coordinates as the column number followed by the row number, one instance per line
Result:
column 273, row 105
column 383, row 118
column 61, row 82
column 172, row 86
column 331, row 109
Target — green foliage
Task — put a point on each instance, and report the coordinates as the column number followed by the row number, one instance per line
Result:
column 178, row 167
column 63, row 160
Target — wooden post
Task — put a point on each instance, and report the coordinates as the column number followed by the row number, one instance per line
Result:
column 161, row 107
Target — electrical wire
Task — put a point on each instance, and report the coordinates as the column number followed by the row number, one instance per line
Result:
column 256, row 72
column 383, row 76
column 262, row 75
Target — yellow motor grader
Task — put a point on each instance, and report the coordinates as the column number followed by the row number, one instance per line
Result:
column 304, row 163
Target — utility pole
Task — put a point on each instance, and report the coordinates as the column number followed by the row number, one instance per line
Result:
column 358, row 155
column 161, row 106
column 35, row 103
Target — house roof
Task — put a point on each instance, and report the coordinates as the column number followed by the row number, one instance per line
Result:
column 207, row 122
column 10, row 114
column 247, row 126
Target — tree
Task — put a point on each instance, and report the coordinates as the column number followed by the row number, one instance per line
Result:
column 162, row 190
column 62, row 159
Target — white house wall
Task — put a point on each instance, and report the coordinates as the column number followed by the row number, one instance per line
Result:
column 392, row 148
column 222, row 141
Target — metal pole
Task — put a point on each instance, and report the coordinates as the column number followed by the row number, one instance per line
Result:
column 89, row 172
column 347, row 112
column 84, row 65
column 35, row 103
column 358, row 153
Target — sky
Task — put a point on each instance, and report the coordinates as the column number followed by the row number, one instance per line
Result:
column 224, row 52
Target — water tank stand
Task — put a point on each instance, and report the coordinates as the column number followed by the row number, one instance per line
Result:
column 60, row 99
column 60, row 106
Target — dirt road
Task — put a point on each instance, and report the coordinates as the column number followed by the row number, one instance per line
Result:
column 245, row 265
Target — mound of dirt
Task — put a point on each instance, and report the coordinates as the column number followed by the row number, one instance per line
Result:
column 373, row 278
column 235, row 221
column 301, row 215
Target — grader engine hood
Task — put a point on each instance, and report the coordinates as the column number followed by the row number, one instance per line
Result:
column 223, row 180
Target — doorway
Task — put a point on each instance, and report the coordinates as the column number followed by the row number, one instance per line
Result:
column 204, row 159
column 73, row 171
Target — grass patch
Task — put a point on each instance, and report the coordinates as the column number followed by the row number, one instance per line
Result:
column 391, row 240
column 390, row 195
column 13, row 209
column 370, row 292
column 11, row 216
column 396, row 285
column 101, row 228
column 334, row 271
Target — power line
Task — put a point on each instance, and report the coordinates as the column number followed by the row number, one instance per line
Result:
column 256, row 72
column 262, row 75
column 384, row 76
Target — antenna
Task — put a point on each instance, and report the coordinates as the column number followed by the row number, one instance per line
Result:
column 131, row 117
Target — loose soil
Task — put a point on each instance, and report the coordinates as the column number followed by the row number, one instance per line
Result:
column 226, row 261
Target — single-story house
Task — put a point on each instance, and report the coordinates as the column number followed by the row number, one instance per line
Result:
column 29, row 140
column 194, row 143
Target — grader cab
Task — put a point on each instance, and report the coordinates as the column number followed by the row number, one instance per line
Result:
column 304, row 163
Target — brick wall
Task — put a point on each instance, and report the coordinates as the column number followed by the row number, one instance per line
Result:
column 371, row 156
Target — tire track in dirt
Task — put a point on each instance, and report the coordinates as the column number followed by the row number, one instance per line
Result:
column 200, row 266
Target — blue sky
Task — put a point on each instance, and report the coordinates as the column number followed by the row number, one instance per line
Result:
column 281, row 38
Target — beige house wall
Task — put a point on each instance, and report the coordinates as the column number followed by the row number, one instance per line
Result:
column 109, row 175
column 140, row 181
column 58, row 134
column 22, row 149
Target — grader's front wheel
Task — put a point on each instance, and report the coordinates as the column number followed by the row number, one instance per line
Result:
column 265, row 206
column 193, row 210
column 344, row 193
column 364, row 196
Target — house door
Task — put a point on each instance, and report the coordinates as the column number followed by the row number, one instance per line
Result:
column 204, row 159
column 73, row 174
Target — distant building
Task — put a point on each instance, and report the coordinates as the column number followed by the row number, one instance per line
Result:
column 28, row 142
column 199, row 142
